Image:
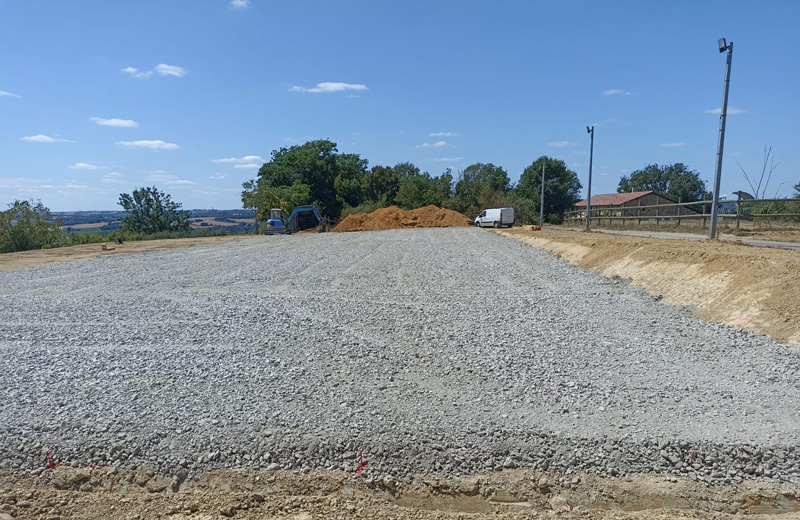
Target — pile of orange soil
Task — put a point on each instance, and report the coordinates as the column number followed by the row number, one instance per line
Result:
column 396, row 218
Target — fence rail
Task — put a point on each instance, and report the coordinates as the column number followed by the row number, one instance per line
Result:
column 744, row 210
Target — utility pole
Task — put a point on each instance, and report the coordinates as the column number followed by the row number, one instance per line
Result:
column 712, row 228
column 541, row 202
column 590, row 130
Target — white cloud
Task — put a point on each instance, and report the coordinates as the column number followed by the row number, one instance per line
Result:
column 170, row 70
column 112, row 178
column 170, row 180
column 672, row 145
column 437, row 144
column 44, row 139
column 616, row 91
column 83, row 166
column 155, row 145
column 136, row 73
column 443, row 134
column 3, row 93
column 560, row 144
column 217, row 177
column 240, row 4
column 161, row 69
column 449, row 159
column 329, row 87
column 731, row 110
column 127, row 123
column 247, row 159
column 247, row 166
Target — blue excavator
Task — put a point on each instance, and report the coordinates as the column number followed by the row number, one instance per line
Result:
column 278, row 225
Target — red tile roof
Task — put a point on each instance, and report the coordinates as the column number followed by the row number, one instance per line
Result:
column 614, row 199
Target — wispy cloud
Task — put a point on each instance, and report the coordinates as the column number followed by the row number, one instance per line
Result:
column 3, row 93
column 112, row 178
column 247, row 166
column 443, row 134
column 247, row 159
column 44, row 139
column 617, row 92
column 731, row 110
column 168, row 179
column 125, row 123
column 162, row 69
column 155, row 145
column 449, row 159
column 561, row 144
column 83, row 166
column 240, row 4
column 136, row 73
column 217, row 177
column 329, row 87
column 673, row 145
column 437, row 144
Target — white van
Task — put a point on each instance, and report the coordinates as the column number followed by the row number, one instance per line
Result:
column 496, row 217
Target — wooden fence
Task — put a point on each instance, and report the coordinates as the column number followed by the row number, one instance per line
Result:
column 748, row 210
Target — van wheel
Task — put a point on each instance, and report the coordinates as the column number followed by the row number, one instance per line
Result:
column 477, row 224
column 496, row 224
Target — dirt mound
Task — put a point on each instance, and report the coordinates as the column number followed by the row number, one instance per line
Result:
column 396, row 218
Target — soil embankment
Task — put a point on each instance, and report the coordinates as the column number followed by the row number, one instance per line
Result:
column 752, row 288
column 396, row 218
column 257, row 493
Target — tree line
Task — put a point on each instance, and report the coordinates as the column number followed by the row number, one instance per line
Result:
column 343, row 183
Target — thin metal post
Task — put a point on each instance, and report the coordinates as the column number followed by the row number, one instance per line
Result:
column 712, row 230
column 589, row 189
column 541, row 203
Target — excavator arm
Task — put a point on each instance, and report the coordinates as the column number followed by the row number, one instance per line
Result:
column 303, row 209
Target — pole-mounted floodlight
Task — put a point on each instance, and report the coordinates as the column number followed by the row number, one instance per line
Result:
column 590, row 131
column 712, row 228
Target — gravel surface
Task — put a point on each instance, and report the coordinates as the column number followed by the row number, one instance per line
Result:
column 432, row 350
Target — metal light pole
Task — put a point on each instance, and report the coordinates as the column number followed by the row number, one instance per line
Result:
column 590, row 130
column 541, row 202
column 712, row 228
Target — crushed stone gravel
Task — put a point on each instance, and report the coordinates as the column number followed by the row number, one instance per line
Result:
column 450, row 350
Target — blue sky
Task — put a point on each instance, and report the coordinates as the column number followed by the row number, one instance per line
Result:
column 99, row 97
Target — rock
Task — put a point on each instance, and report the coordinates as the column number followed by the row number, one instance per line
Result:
column 509, row 463
column 273, row 466
column 559, row 504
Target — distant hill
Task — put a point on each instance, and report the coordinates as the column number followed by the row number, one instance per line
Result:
column 234, row 221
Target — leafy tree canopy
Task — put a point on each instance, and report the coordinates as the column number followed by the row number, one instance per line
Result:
column 26, row 225
column 420, row 189
column 151, row 211
column 797, row 190
column 675, row 181
column 561, row 188
column 331, row 179
column 480, row 185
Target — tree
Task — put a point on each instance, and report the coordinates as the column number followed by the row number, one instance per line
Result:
column 675, row 181
column 767, row 168
column 561, row 189
column 332, row 180
column 381, row 183
column 26, row 225
column 797, row 190
column 480, row 185
column 150, row 211
column 420, row 189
